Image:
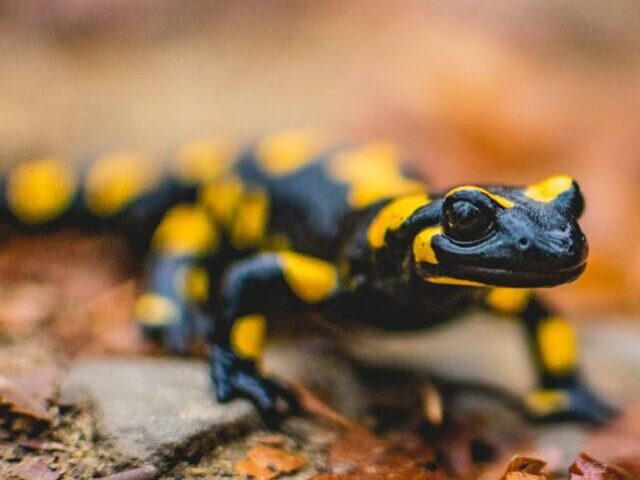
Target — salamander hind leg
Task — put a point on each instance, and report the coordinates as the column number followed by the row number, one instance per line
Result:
column 562, row 392
column 177, row 280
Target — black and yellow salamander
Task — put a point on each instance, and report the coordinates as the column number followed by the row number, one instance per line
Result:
column 294, row 223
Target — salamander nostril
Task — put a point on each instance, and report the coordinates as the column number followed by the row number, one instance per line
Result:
column 523, row 243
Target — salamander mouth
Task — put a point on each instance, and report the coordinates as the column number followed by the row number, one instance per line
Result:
column 504, row 277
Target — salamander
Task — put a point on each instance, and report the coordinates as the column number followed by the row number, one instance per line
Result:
column 295, row 222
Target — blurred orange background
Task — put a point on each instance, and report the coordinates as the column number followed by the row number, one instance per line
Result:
column 494, row 91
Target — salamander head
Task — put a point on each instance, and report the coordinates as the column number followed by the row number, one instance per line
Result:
column 508, row 236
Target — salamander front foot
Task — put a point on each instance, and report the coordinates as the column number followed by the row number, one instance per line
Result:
column 236, row 378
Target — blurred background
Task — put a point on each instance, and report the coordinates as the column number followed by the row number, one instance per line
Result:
column 496, row 91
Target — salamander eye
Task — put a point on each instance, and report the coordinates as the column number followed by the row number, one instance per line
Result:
column 465, row 221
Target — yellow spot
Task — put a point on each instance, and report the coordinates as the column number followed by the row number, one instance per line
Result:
column 204, row 160
column 548, row 190
column 196, row 284
column 186, row 229
column 454, row 281
column 285, row 152
column 248, row 336
column 372, row 173
column 392, row 216
column 154, row 310
column 500, row 200
column 422, row 249
column 557, row 343
column 312, row 280
column 250, row 222
column 40, row 190
column 117, row 179
column 545, row 402
column 221, row 198
column 508, row 301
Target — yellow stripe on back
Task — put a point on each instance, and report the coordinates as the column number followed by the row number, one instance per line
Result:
column 115, row 180
column 186, row 229
column 221, row 198
column 285, row 152
column 392, row 216
column 500, row 200
column 372, row 173
column 204, row 160
column 548, row 190
column 40, row 190
column 250, row 222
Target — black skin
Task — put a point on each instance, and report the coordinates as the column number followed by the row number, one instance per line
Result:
column 531, row 244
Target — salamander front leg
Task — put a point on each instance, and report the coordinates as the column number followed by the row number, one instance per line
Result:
column 250, row 289
column 562, row 392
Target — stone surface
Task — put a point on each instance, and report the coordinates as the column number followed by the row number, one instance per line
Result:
column 492, row 351
column 325, row 372
column 154, row 409
column 486, row 349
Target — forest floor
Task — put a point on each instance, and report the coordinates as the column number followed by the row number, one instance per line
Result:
column 82, row 396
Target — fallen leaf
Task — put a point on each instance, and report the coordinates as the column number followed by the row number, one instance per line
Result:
column 146, row 472
column 41, row 384
column 25, row 307
column 264, row 463
column 619, row 439
column 35, row 468
column 525, row 468
column 360, row 454
column 34, row 444
column 630, row 466
column 587, row 468
column 356, row 448
column 432, row 409
column 314, row 406
column 274, row 439
column 20, row 402
column 102, row 324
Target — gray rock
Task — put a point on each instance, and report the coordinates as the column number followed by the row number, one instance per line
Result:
column 486, row 349
column 326, row 373
column 155, row 409
column 492, row 351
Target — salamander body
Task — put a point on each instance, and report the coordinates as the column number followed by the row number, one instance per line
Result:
column 293, row 222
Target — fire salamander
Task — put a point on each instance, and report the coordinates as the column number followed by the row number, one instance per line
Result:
column 346, row 232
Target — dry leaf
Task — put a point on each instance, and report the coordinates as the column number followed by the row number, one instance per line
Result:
column 525, row 468
column 274, row 439
column 264, row 463
column 21, row 403
column 359, row 454
column 146, row 472
column 41, row 384
column 432, row 409
column 314, row 406
column 587, row 468
column 25, row 307
column 619, row 439
column 35, row 468
column 43, row 445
